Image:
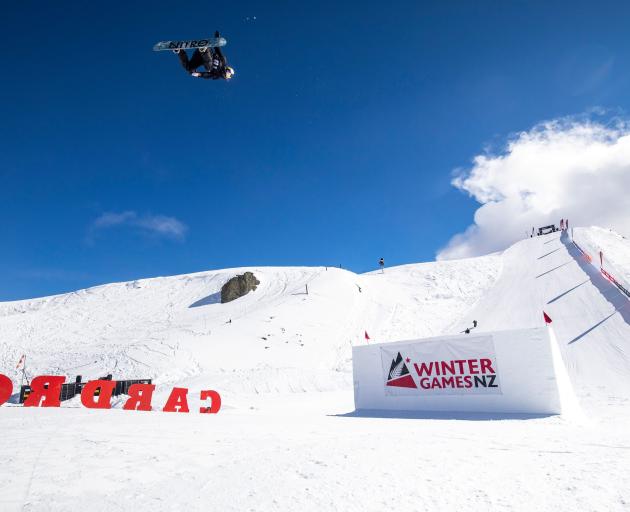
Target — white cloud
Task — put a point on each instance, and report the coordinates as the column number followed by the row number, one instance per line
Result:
column 578, row 170
column 163, row 225
column 109, row 219
column 159, row 225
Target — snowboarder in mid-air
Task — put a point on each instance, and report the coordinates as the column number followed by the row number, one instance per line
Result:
column 212, row 60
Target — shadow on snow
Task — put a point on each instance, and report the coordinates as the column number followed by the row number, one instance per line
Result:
column 440, row 415
column 215, row 298
column 545, row 255
column 568, row 291
column 554, row 268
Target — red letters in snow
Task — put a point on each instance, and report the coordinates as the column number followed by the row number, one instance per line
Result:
column 215, row 402
column 103, row 400
column 45, row 391
column 177, row 401
column 139, row 397
column 6, row 388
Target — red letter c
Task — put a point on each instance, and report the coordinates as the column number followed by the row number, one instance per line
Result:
column 215, row 403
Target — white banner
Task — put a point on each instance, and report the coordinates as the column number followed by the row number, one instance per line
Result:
column 464, row 366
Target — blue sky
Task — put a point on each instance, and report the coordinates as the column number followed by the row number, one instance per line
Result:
column 334, row 144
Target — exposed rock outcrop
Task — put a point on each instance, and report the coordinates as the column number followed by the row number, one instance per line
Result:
column 238, row 286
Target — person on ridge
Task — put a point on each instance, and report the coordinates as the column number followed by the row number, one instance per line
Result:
column 468, row 329
column 212, row 59
column 381, row 263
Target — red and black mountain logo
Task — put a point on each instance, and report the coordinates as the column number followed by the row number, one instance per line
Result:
column 399, row 375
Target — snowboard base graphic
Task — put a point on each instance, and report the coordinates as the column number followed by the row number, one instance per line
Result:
column 209, row 42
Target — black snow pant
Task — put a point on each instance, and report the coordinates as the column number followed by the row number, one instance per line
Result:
column 194, row 62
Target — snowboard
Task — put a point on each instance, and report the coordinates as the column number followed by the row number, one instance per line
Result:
column 209, row 42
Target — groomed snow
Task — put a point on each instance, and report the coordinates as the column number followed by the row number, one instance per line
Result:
column 286, row 438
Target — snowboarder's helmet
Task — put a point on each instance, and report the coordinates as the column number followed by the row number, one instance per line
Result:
column 229, row 72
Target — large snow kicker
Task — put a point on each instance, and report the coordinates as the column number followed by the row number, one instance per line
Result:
column 590, row 316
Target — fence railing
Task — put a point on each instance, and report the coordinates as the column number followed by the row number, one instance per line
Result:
column 70, row 390
column 614, row 281
column 607, row 273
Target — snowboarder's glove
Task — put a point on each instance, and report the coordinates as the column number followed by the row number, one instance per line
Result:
column 195, row 74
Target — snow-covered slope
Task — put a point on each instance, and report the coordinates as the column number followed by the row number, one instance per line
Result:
column 286, row 439
column 278, row 338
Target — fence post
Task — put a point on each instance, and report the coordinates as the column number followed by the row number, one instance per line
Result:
column 24, row 392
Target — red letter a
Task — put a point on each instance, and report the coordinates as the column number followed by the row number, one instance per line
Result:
column 103, row 400
column 139, row 397
column 45, row 396
column 177, row 400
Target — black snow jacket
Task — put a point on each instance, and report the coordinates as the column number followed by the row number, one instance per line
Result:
column 212, row 60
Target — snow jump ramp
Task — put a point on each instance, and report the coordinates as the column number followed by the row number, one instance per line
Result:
column 513, row 372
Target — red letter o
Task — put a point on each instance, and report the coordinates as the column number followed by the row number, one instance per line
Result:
column 6, row 388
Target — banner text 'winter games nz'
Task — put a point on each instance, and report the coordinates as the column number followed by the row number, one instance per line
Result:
column 453, row 367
